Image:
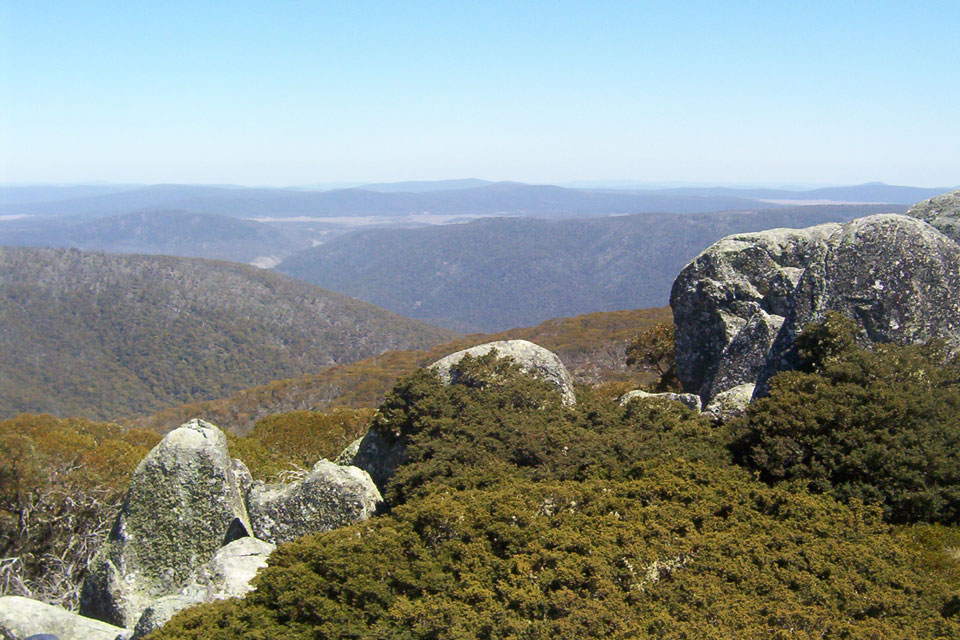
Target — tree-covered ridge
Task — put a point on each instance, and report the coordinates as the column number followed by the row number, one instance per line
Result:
column 517, row 517
column 111, row 336
column 591, row 346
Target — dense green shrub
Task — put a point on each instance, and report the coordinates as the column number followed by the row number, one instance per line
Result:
column 498, row 420
column 680, row 550
column 880, row 425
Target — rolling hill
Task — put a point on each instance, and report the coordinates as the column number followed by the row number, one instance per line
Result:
column 498, row 273
column 592, row 346
column 107, row 336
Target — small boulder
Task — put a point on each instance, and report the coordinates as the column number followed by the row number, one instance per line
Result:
column 183, row 504
column 689, row 400
column 534, row 359
column 227, row 575
column 21, row 618
column 328, row 497
column 730, row 404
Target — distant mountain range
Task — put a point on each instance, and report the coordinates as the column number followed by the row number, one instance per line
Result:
column 108, row 336
column 178, row 233
column 459, row 197
column 498, row 273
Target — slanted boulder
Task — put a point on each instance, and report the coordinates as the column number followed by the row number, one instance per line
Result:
column 227, row 575
column 534, row 359
column 328, row 497
column 740, row 304
column 183, row 504
column 21, row 618
column 689, row 400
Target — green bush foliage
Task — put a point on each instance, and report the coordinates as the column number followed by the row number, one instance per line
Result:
column 498, row 420
column 878, row 425
column 61, row 483
column 517, row 517
column 681, row 550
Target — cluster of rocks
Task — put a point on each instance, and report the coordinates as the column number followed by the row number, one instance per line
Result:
column 740, row 304
column 194, row 527
column 725, row 406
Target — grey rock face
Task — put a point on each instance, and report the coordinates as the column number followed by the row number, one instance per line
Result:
column 718, row 294
column 22, row 617
column 689, row 400
column 731, row 403
column 942, row 212
column 534, row 359
column 227, row 575
column 328, row 497
column 739, row 305
column 183, row 504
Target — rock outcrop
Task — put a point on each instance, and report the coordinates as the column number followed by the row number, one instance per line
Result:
column 21, row 618
column 328, row 497
column 941, row 212
column 227, row 575
column 689, row 400
column 182, row 506
column 534, row 359
column 739, row 305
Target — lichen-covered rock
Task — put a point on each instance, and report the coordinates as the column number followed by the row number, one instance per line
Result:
column 941, row 212
column 534, row 359
column 730, row 404
column 21, row 618
column 328, row 497
column 689, row 400
column 716, row 296
column 739, row 305
column 227, row 575
column 183, row 504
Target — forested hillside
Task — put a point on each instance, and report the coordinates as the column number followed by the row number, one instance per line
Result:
column 108, row 336
column 591, row 346
column 495, row 274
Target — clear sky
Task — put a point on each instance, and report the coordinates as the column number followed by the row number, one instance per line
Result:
column 287, row 93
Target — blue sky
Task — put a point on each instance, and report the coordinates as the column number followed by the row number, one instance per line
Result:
column 287, row 93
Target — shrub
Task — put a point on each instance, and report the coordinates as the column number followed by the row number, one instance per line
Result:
column 879, row 425
column 680, row 550
column 61, row 482
column 298, row 439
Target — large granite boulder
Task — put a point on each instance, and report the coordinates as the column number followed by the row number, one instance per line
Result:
column 534, row 359
column 328, row 497
column 227, row 575
column 739, row 305
column 941, row 212
column 183, row 504
column 21, row 618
